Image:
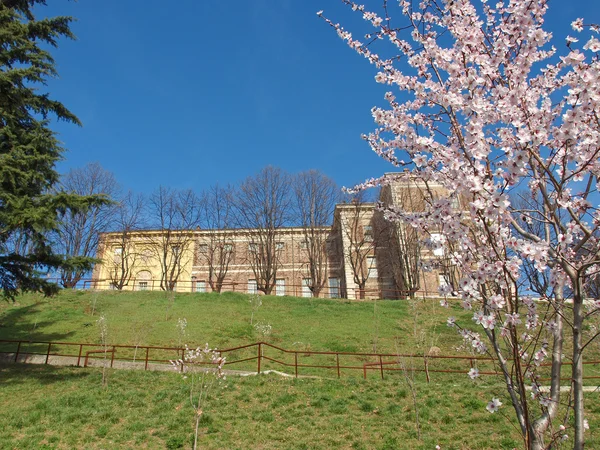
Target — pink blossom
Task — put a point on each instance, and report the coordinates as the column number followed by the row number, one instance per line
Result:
column 479, row 317
column 493, row 406
column 473, row 373
column 592, row 45
column 577, row 25
column 488, row 322
column 574, row 58
column 420, row 160
column 512, row 319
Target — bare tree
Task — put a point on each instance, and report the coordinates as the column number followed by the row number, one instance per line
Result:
column 398, row 246
column 78, row 231
column 359, row 240
column 315, row 198
column 175, row 215
column 263, row 206
column 216, row 248
column 399, row 257
column 127, row 220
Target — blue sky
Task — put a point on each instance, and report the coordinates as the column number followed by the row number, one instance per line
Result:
column 190, row 93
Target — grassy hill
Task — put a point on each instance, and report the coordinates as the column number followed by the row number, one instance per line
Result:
column 150, row 318
column 53, row 407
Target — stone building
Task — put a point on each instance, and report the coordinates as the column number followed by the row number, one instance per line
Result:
column 360, row 256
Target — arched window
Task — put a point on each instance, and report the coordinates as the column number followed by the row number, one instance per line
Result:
column 143, row 280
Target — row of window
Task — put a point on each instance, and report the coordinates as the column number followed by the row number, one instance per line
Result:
column 436, row 239
column 334, row 287
column 200, row 286
column 203, row 248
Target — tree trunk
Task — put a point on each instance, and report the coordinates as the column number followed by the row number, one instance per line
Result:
column 540, row 426
column 577, row 373
column 268, row 289
column 361, row 292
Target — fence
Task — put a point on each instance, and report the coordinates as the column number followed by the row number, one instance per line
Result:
column 258, row 357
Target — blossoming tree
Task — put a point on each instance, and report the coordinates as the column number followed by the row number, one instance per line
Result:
column 486, row 107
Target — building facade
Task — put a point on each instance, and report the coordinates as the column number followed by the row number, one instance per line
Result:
column 361, row 256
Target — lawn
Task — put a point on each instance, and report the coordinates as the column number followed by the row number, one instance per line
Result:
column 223, row 321
column 53, row 407
column 151, row 318
column 48, row 407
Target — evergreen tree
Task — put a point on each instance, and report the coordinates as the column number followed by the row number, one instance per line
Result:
column 29, row 151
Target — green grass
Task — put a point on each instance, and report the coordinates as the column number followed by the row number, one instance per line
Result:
column 51, row 407
column 223, row 321
column 46, row 407
column 148, row 318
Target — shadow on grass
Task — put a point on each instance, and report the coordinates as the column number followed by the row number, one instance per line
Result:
column 11, row 374
column 15, row 324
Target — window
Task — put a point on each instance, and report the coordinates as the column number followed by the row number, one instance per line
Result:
column 334, row 288
column 118, row 255
column 203, row 249
column 279, row 246
column 437, row 243
column 304, row 244
column 280, row 287
column 443, row 280
column 143, row 280
column 306, row 292
column 228, row 248
column 252, row 287
column 372, row 266
column 368, row 231
column 252, row 247
column 201, row 286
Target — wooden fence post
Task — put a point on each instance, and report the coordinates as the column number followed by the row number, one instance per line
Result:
column 18, row 348
column 48, row 352
column 296, row 363
column 259, row 355
column 79, row 356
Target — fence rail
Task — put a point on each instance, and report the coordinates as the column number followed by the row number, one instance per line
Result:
column 260, row 354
